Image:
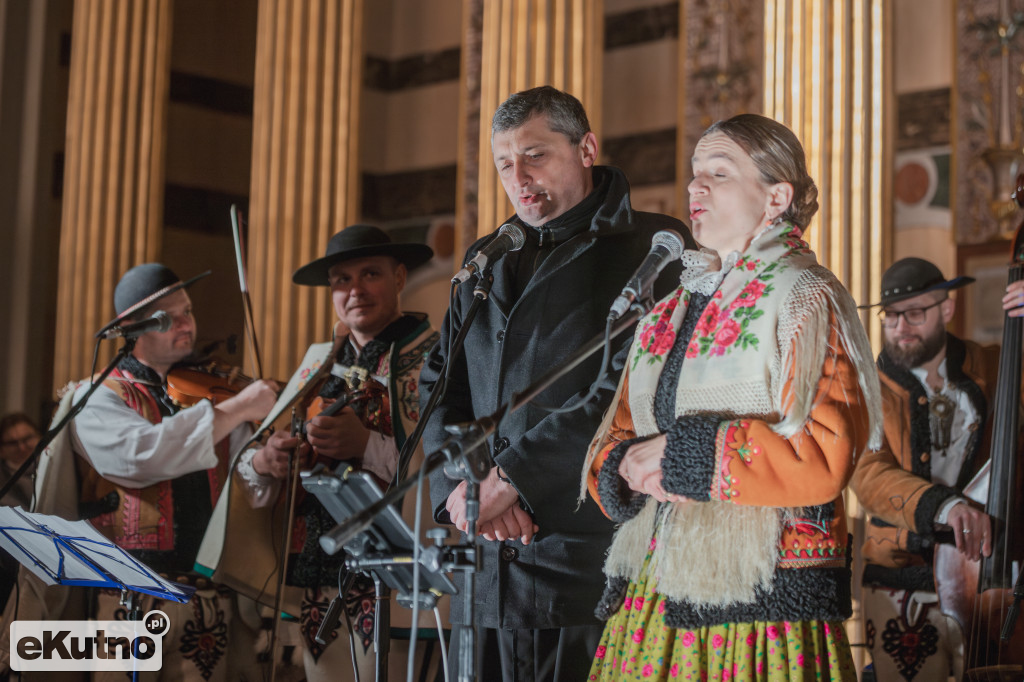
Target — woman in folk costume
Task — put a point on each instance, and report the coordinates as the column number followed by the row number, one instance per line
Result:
column 747, row 395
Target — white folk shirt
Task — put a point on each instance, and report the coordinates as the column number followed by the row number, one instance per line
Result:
column 946, row 464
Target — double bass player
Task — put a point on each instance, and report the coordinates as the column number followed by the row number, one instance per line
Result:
column 937, row 392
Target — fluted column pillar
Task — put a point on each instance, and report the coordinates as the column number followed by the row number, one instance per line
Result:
column 305, row 164
column 526, row 43
column 825, row 78
column 114, row 168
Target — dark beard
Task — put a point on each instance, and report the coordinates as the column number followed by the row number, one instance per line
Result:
column 915, row 356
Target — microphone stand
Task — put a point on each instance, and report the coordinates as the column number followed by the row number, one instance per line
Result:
column 472, row 461
column 480, row 294
column 126, row 349
column 466, row 558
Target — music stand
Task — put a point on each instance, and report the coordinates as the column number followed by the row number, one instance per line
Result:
column 386, row 550
column 62, row 552
column 74, row 553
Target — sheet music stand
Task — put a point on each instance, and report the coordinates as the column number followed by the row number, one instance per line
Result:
column 385, row 550
column 74, row 553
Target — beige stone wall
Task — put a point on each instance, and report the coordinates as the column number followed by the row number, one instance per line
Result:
column 923, row 60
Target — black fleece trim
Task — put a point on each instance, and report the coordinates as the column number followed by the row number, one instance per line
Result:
column 613, row 597
column 920, row 427
column 931, row 500
column 689, row 463
column 619, row 501
column 914, row 543
column 916, row 578
column 797, row 594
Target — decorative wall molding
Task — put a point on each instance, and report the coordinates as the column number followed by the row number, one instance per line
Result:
column 981, row 120
column 645, row 25
column 390, row 75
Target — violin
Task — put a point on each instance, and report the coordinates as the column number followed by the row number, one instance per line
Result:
column 366, row 394
column 215, row 381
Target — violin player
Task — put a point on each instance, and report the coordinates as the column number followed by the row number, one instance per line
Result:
column 380, row 355
column 937, row 393
column 150, row 472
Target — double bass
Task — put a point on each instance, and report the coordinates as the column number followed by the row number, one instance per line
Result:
column 980, row 595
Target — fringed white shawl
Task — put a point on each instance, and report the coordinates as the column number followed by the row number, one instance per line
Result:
column 768, row 322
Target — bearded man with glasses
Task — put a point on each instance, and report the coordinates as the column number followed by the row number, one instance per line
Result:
column 937, row 397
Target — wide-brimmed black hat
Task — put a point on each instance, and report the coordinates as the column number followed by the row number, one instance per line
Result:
column 360, row 241
column 142, row 285
column 911, row 277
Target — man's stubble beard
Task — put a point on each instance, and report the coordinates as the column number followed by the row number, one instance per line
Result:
column 915, row 356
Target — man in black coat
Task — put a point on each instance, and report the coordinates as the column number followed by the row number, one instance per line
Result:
column 541, row 557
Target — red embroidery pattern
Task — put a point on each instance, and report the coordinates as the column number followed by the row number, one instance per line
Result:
column 735, row 448
column 722, row 330
column 134, row 536
column 658, row 334
column 810, row 543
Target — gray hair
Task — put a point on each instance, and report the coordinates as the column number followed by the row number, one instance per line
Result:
column 779, row 157
column 565, row 113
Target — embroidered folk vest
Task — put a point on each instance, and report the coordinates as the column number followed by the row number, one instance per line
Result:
column 162, row 524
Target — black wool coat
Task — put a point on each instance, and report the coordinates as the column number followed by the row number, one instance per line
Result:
column 556, row 581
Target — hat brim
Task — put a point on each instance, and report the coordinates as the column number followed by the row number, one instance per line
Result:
column 315, row 272
column 948, row 285
column 131, row 310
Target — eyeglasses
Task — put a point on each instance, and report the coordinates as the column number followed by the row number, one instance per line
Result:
column 25, row 440
column 914, row 316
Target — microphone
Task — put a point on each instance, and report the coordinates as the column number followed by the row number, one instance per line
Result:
column 160, row 322
column 666, row 246
column 510, row 238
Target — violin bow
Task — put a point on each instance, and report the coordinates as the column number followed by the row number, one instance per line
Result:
column 250, row 324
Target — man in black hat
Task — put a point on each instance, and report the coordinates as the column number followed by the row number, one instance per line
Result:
column 541, row 557
column 382, row 353
column 937, row 400
column 151, row 471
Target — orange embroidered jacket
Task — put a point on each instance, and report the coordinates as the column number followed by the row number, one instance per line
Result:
column 756, row 466
column 894, row 483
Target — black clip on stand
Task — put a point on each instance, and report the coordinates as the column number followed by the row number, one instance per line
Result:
column 464, row 450
column 126, row 349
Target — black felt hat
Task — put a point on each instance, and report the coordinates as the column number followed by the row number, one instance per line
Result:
column 911, row 277
column 360, row 241
column 142, row 285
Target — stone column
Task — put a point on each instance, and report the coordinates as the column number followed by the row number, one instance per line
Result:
column 304, row 165
column 114, row 169
column 523, row 44
column 825, row 78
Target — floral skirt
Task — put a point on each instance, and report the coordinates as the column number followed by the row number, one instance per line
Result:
column 637, row 645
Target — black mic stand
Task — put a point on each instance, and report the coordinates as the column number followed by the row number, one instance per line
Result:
column 465, row 557
column 481, row 292
column 464, row 449
column 125, row 351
